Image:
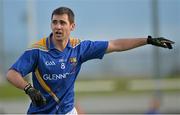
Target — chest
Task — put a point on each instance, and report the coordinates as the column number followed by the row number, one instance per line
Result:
column 55, row 62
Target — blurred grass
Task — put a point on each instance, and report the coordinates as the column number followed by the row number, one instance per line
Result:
column 7, row 91
column 122, row 88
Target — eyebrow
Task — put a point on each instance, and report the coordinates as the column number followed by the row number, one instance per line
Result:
column 58, row 20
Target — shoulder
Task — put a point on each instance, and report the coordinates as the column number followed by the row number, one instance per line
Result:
column 41, row 45
column 74, row 42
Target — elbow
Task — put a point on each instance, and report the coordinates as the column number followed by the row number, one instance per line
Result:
column 112, row 47
column 8, row 75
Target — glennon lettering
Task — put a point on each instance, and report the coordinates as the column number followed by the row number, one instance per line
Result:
column 55, row 76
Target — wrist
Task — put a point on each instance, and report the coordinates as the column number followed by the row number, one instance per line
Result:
column 149, row 40
column 27, row 87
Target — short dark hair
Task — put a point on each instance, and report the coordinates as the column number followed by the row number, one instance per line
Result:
column 64, row 10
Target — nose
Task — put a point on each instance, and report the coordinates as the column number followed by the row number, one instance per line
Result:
column 58, row 26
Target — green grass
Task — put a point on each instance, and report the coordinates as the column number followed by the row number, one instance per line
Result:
column 8, row 91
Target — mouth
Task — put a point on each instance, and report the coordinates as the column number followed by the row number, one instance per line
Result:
column 59, row 34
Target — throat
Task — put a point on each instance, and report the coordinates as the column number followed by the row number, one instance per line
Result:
column 60, row 44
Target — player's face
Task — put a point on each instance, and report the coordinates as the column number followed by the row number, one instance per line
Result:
column 61, row 27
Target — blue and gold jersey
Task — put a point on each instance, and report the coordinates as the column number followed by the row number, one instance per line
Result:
column 54, row 72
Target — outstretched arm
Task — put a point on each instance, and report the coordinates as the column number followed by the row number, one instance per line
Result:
column 127, row 44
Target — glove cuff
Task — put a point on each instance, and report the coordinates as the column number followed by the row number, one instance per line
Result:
column 27, row 87
column 149, row 40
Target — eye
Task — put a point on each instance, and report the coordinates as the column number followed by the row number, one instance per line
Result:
column 54, row 22
column 62, row 22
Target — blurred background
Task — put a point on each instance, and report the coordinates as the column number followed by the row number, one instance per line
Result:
column 141, row 80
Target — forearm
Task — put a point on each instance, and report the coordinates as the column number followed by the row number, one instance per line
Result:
column 125, row 44
column 16, row 79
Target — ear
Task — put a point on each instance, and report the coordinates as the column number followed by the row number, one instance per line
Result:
column 73, row 26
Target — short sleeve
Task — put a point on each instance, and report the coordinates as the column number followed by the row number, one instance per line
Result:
column 26, row 62
column 92, row 50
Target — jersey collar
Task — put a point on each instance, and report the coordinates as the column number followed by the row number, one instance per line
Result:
column 50, row 45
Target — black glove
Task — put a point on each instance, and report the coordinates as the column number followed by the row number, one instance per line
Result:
column 35, row 95
column 161, row 42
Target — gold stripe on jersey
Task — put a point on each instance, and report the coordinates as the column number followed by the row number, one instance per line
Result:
column 45, row 86
column 41, row 44
column 74, row 42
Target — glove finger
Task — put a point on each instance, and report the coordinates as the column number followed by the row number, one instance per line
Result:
column 38, row 102
column 41, row 100
column 166, row 41
column 169, row 45
column 166, row 45
column 38, row 96
column 163, row 45
column 33, row 98
column 44, row 100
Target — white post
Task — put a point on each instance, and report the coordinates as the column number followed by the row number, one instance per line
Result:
column 31, row 21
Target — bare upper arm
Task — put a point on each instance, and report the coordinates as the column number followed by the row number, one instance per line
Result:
column 16, row 79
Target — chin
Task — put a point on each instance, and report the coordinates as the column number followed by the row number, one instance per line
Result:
column 60, row 39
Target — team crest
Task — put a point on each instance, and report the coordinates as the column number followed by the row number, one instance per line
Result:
column 73, row 60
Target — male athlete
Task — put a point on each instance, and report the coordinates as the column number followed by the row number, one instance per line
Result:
column 55, row 62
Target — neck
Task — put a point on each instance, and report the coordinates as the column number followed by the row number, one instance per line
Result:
column 60, row 44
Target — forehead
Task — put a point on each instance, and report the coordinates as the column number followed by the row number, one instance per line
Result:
column 63, row 17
